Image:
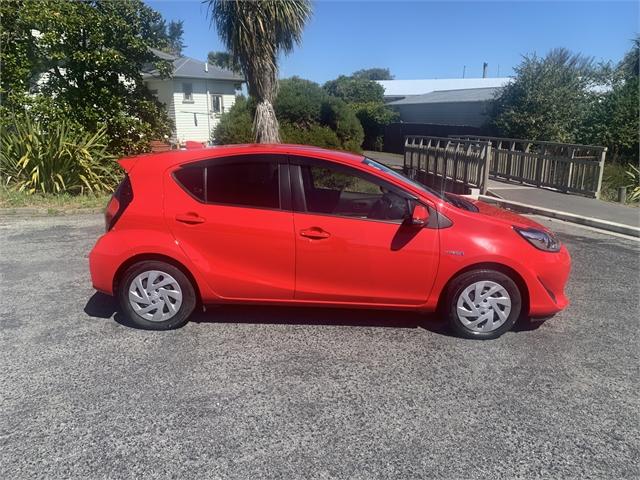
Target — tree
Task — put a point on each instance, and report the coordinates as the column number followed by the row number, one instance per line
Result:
column 366, row 99
column 82, row 61
column 613, row 119
column 548, row 99
column 223, row 60
column 255, row 33
column 373, row 74
column 355, row 90
column 174, row 33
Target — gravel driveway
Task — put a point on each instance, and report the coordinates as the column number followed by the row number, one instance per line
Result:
column 250, row 393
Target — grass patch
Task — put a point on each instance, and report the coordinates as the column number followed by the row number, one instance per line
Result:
column 50, row 202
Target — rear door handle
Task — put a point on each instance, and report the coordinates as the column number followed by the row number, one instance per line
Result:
column 190, row 218
column 315, row 233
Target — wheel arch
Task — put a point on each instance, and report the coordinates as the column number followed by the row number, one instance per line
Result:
column 499, row 267
column 161, row 258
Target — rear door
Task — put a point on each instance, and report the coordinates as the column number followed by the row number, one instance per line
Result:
column 352, row 244
column 232, row 216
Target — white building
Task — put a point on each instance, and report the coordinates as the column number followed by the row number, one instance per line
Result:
column 195, row 96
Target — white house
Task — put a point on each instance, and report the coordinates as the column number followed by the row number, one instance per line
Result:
column 195, row 96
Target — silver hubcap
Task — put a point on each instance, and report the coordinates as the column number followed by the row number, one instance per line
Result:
column 484, row 306
column 155, row 296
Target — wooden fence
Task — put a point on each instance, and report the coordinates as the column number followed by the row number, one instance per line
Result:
column 569, row 168
column 447, row 163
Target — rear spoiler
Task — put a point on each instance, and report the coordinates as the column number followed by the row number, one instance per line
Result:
column 128, row 163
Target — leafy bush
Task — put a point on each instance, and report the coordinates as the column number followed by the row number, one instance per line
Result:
column 337, row 115
column 235, row 126
column 57, row 158
column 618, row 175
column 355, row 90
column 366, row 99
column 317, row 135
column 633, row 175
column 299, row 101
column 307, row 115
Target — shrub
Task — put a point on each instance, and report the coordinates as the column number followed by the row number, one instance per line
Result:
column 317, row 135
column 617, row 175
column 299, row 101
column 235, row 126
column 55, row 158
column 337, row 115
column 633, row 176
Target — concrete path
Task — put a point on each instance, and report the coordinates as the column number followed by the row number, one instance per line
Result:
column 544, row 198
column 575, row 204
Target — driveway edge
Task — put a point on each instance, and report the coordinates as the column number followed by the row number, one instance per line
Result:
column 45, row 212
column 566, row 216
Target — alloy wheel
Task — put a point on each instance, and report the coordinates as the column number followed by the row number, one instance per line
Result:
column 483, row 306
column 155, row 295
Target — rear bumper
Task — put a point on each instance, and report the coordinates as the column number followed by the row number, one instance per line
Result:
column 547, row 282
column 102, row 268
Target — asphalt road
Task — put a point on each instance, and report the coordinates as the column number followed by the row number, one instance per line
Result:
column 250, row 393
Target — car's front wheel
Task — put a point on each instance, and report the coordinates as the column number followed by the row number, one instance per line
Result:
column 156, row 295
column 483, row 304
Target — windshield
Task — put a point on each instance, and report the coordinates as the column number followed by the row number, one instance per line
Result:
column 399, row 176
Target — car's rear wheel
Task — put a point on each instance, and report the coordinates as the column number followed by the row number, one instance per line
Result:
column 156, row 295
column 483, row 304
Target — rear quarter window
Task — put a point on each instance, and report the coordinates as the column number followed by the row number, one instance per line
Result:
column 191, row 179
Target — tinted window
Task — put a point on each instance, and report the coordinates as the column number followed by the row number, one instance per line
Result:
column 337, row 192
column 192, row 180
column 251, row 184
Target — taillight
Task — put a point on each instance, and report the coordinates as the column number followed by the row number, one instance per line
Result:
column 120, row 200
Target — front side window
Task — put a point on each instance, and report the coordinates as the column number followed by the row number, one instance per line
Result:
column 250, row 184
column 339, row 192
column 187, row 92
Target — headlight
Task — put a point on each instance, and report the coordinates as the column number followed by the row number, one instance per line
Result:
column 540, row 239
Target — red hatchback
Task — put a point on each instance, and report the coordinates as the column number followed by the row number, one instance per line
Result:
column 295, row 225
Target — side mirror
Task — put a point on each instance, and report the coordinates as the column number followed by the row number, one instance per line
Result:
column 419, row 215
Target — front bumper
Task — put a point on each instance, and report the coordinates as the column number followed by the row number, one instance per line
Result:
column 546, row 285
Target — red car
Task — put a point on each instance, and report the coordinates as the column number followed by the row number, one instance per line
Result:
column 298, row 225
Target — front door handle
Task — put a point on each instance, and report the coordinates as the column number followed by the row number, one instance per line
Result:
column 315, row 233
column 190, row 218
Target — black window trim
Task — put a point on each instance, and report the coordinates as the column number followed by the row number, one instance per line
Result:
column 297, row 186
column 284, row 178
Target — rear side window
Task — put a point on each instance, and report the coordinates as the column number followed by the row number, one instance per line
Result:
column 192, row 180
column 250, row 184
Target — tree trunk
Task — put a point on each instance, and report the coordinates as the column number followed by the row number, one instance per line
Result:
column 265, row 123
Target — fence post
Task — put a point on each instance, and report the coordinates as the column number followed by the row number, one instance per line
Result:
column 603, row 154
column 406, row 144
column 485, row 173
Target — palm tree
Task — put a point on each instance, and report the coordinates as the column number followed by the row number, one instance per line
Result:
column 255, row 32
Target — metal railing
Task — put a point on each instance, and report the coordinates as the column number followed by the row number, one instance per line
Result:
column 570, row 168
column 447, row 162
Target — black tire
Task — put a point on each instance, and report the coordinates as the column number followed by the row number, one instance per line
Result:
column 188, row 295
column 460, row 283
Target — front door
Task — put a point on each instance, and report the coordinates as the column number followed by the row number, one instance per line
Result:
column 235, row 223
column 352, row 244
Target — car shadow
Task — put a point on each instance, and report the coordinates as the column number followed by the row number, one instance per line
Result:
column 105, row 306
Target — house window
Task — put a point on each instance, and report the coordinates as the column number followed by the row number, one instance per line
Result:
column 187, row 92
column 217, row 106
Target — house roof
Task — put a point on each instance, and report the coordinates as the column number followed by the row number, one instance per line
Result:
column 187, row 67
column 402, row 88
column 450, row 96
